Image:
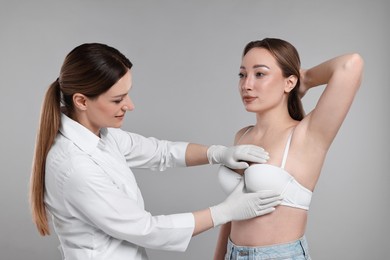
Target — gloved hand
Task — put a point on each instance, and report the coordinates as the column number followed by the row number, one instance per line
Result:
column 239, row 205
column 236, row 157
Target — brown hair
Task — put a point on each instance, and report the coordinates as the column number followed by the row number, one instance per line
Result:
column 288, row 59
column 90, row 69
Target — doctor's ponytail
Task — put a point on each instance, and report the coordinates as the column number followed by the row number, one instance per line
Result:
column 48, row 128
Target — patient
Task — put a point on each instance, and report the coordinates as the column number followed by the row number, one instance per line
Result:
column 271, row 86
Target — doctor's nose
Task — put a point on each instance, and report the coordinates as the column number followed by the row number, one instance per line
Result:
column 128, row 105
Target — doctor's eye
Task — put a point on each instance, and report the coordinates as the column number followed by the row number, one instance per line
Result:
column 117, row 101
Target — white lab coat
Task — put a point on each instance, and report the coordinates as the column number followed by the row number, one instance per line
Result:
column 97, row 208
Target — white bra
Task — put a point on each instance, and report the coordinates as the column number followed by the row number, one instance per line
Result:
column 260, row 177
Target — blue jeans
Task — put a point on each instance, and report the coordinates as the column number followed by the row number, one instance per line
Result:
column 295, row 250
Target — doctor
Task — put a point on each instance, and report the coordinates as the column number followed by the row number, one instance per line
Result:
column 82, row 167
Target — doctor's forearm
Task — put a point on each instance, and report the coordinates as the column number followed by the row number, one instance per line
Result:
column 196, row 154
column 203, row 221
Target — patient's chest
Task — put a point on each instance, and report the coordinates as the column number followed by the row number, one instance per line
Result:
column 259, row 177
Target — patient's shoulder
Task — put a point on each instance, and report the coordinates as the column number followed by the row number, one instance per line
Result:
column 241, row 133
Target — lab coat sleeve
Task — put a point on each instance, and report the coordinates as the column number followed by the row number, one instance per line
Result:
column 90, row 195
column 142, row 152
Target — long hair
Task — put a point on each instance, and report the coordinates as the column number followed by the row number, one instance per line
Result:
column 90, row 69
column 289, row 62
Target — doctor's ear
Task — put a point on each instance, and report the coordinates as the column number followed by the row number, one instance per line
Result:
column 80, row 101
column 291, row 82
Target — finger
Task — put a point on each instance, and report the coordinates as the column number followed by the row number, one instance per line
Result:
column 252, row 147
column 253, row 158
column 262, row 154
column 264, row 194
column 264, row 211
column 251, row 153
column 248, row 149
column 273, row 203
column 238, row 165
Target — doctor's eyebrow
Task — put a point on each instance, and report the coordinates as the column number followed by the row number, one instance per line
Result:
column 120, row 95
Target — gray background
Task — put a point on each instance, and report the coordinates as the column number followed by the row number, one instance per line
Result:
column 186, row 56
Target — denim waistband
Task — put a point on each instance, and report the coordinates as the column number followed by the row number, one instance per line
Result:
column 278, row 251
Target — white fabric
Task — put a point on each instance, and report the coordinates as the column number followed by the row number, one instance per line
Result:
column 260, row 177
column 97, row 208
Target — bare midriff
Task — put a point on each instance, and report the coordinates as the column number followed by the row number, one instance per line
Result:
column 284, row 225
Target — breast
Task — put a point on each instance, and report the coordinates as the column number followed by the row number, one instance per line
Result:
column 259, row 177
column 228, row 179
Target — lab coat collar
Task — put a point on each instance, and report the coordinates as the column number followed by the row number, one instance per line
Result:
column 80, row 135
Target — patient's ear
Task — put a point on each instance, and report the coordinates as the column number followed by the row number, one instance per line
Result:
column 291, row 82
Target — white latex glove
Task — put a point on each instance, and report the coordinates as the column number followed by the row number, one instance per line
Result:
column 236, row 157
column 239, row 205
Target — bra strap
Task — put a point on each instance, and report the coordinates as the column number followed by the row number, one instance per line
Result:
column 286, row 149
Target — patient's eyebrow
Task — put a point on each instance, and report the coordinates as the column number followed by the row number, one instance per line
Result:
column 260, row 66
column 257, row 66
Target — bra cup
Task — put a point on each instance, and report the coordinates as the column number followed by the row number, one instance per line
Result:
column 260, row 177
column 228, row 179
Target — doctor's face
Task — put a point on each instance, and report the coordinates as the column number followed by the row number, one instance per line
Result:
column 109, row 108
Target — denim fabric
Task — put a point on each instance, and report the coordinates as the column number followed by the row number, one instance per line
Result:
column 295, row 250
